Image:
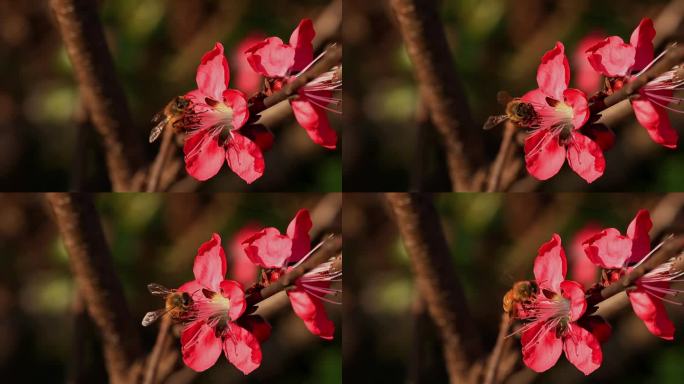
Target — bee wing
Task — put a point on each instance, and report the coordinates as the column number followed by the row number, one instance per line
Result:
column 493, row 121
column 151, row 317
column 159, row 290
column 157, row 130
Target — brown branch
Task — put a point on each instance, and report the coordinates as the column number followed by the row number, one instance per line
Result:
column 495, row 175
column 93, row 269
column 102, row 93
column 157, row 351
column 423, row 237
column 330, row 248
column 673, row 57
column 669, row 249
column 165, row 149
column 495, row 356
column 428, row 49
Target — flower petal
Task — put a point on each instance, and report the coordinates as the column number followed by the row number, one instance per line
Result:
column 213, row 73
column 242, row 349
column 550, row 266
column 210, row 264
column 544, row 156
column 586, row 78
column 574, row 292
column 580, row 106
column 582, row 349
column 301, row 39
column 232, row 290
column 268, row 248
column 612, row 57
column 271, row 58
column 585, row 157
column 241, row 267
column 203, row 156
column 553, row 74
column 642, row 40
column 541, row 348
column 237, row 101
column 638, row 231
column 608, row 249
column 298, row 231
column 652, row 312
column 193, row 288
column 200, row 347
column 311, row 310
column 314, row 120
column 257, row 326
column 245, row 158
column 656, row 121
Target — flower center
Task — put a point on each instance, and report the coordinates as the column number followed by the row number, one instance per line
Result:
column 214, row 311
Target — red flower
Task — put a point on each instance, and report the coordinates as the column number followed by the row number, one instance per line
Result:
column 274, row 251
column 242, row 269
column 561, row 112
column 618, row 60
column 214, row 125
column 281, row 62
column 552, row 317
column 587, row 79
column 246, row 79
column 583, row 270
column 611, row 250
column 216, row 317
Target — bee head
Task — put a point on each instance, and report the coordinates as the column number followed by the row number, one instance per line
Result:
column 181, row 103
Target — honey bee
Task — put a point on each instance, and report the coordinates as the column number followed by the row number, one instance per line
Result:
column 177, row 304
column 522, row 292
column 517, row 111
column 171, row 114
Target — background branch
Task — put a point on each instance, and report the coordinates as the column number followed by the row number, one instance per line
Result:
column 102, row 93
column 93, row 269
column 428, row 49
column 438, row 284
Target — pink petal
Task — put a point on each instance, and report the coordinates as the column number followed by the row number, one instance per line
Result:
column 638, row 231
column 314, row 120
column 608, row 249
column 232, row 290
column 269, row 248
column 541, row 348
column 582, row 349
column 574, row 292
column 271, row 58
column 200, row 347
column 582, row 269
column 585, row 157
column 553, row 74
column 237, row 101
column 312, row 312
column 612, row 57
column 586, row 78
column 652, row 312
column 298, row 231
column 544, row 156
column 213, row 73
column 246, row 79
column 210, row 264
column 245, row 158
column 242, row 349
column 241, row 268
column 301, row 39
column 656, row 121
column 203, row 156
column 642, row 40
column 550, row 266
column 580, row 106
column 193, row 288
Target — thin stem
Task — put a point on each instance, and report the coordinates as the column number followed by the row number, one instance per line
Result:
column 498, row 166
column 495, row 356
column 157, row 351
column 158, row 165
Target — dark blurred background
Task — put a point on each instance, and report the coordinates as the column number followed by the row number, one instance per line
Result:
column 494, row 239
column 156, row 46
column 496, row 45
column 153, row 238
